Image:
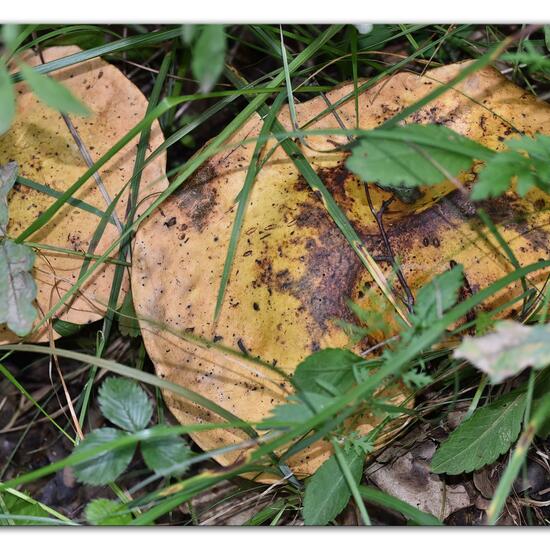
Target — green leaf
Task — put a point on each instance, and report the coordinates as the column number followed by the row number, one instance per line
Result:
column 65, row 328
column 483, row 437
column 17, row 287
column 438, row 296
column 508, row 350
column 19, row 507
column 532, row 168
column 547, row 36
column 188, row 32
column 370, row 494
column 124, row 403
column 328, row 368
column 416, row 379
column 106, row 466
column 52, row 93
column 7, row 99
column 297, row 409
column 413, row 155
column 538, row 150
column 327, row 491
column 209, row 56
column 128, row 324
column 8, row 176
column 495, row 178
column 531, row 57
column 102, row 511
column 164, row 456
column 10, row 33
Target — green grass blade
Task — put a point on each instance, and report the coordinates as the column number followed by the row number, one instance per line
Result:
column 370, row 494
column 139, row 41
column 242, row 199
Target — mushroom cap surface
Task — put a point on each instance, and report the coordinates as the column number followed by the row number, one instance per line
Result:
column 42, row 145
column 293, row 270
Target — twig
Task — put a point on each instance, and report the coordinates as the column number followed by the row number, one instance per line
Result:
column 85, row 155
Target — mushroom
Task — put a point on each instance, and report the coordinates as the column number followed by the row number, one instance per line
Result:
column 294, row 271
column 41, row 144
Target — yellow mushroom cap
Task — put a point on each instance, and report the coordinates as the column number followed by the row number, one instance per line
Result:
column 40, row 142
column 294, row 271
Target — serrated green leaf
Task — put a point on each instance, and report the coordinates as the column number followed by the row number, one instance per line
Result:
column 413, row 155
column 165, row 456
column 209, row 56
column 102, row 511
column 52, row 92
column 527, row 159
column 508, row 350
column 7, row 99
column 124, row 403
column 495, row 178
column 327, row 368
column 538, row 150
column 327, row 491
column 482, row 438
column 17, row 287
column 8, row 176
column 106, row 466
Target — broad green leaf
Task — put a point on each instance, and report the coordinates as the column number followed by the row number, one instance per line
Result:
column 413, row 155
column 209, row 56
column 547, row 36
column 326, row 369
column 164, row 455
column 483, row 437
column 52, row 92
column 327, row 491
column 508, row 350
column 107, row 465
column 7, row 99
column 102, row 511
column 17, row 287
column 8, row 175
column 124, row 403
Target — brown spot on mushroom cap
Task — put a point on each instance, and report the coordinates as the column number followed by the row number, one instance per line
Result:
column 293, row 262
column 46, row 152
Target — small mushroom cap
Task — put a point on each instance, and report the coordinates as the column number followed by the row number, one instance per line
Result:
column 294, row 271
column 40, row 142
